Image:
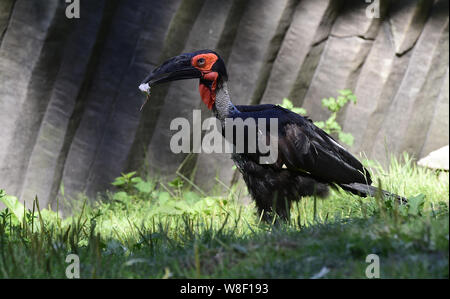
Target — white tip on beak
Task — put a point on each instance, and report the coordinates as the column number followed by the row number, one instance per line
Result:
column 144, row 87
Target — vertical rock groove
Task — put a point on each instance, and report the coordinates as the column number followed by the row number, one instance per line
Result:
column 175, row 40
column 41, row 85
column 80, row 103
column 273, row 49
column 69, row 102
column 6, row 10
column 231, row 27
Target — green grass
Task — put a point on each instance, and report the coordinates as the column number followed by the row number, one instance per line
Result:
column 152, row 230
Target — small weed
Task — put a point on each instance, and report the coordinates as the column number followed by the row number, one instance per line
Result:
column 148, row 229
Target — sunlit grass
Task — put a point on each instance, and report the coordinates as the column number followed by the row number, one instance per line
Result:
column 148, row 229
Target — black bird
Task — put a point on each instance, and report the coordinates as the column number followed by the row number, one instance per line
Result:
column 309, row 160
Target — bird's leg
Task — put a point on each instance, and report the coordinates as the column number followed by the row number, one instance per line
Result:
column 274, row 206
column 283, row 209
column 265, row 211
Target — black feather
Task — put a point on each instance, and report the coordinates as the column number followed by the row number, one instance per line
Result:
column 313, row 161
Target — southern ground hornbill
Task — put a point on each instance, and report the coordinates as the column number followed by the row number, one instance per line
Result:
column 309, row 161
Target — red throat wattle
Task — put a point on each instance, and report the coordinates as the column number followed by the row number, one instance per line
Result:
column 208, row 94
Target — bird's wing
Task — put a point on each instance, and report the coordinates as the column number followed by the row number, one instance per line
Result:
column 305, row 147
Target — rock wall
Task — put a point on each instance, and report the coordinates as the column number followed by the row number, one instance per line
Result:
column 69, row 103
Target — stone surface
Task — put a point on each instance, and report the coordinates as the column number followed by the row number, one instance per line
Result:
column 438, row 131
column 307, row 27
column 101, row 100
column 20, row 54
column 69, row 103
column 437, row 159
column 373, row 90
column 353, row 20
column 419, row 88
column 45, row 166
column 6, row 7
column 338, row 69
column 177, row 32
column 183, row 96
column 407, row 19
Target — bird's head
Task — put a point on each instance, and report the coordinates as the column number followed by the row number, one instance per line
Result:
column 205, row 65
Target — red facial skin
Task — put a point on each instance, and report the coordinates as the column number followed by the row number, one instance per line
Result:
column 208, row 94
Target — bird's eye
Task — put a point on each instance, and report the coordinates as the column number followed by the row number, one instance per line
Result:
column 201, row 62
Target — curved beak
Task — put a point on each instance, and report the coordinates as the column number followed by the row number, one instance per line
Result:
column 176, row 68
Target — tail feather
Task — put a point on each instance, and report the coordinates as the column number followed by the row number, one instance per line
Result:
column 367, row 190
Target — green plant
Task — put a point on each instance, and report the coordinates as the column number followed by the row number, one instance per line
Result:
column 288, row 105
column 334, row 105
column 172, row 232
column 13, row 205
column 127, row 182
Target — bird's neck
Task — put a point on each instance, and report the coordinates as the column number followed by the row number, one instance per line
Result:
column 223, row 107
